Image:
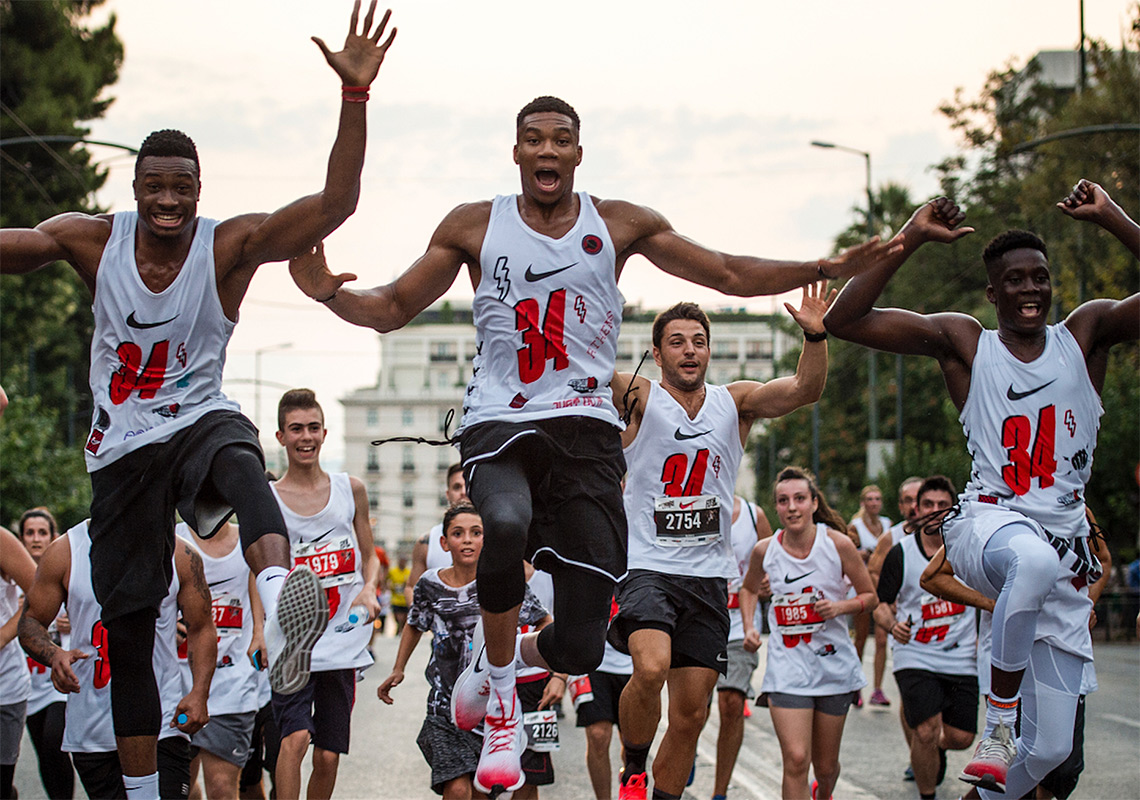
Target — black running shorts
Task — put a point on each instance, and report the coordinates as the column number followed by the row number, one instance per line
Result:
column 925, row 693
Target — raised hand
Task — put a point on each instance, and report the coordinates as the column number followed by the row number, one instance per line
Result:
column 855, row 259
column 937, row 221
column 359, row 61
column 814, row 304
column 1087, row 201
column 311, row 274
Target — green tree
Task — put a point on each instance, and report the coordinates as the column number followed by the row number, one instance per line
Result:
column 53, row 74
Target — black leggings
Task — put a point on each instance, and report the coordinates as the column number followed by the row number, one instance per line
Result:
column 576, row 641
column 237, row 475
column 135, row 706
column 45, row 728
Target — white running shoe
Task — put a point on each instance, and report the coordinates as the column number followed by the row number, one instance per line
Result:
column 504, row 740
column 473, row 686
column 302, row 616
column 988, row 768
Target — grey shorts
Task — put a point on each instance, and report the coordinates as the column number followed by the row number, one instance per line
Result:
column 227, row 736
column 741, row 665
column 835, row 705
column 449, row 751
column 11, row 731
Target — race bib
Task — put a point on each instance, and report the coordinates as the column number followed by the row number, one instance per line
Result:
column 580, row 690
column 795, row 613
column 936, row 611
column 334, row 561
column 687, row 521
column 541, row 730
column 227, row 615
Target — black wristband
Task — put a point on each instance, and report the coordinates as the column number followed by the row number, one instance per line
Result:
column 816, row 337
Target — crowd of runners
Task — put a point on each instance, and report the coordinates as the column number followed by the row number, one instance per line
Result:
column 594, row 539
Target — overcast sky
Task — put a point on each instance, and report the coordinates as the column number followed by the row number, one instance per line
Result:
column 702, row 111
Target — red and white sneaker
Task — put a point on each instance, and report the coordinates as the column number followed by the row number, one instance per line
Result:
column 991, row 760
column 814, row 787
column 504, row 740
column 472, row 687
column 301, row 617
column 635, row 788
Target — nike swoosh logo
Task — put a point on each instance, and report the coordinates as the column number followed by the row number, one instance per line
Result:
column 323, row 535
column 789, row 579
column 134, row 323
column 720, row 657
column 216, row 583
column 532, row 276
column 476, row 670
column 680, row 437
column 1013, row 395
column 687, row 506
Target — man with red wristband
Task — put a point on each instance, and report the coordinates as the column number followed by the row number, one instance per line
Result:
column 167, row 285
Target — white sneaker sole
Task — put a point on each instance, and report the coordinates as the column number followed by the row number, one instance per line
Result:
column 303, row 615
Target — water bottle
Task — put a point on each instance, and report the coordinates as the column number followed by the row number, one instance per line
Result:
column 358, row 615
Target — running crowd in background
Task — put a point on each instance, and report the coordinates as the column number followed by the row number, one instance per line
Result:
column 594, row 537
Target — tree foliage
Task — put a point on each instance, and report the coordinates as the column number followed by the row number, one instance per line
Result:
column 1000, row 189
column 53, row 74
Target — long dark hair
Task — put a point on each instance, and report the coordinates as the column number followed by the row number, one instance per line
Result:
column 823, row 513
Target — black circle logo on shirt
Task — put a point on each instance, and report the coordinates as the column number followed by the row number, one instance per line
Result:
column 591, row 244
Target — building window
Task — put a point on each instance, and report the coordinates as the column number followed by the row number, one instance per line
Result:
column 408, row 463
column 373, row 460
column 443, row 351
column 373, row 416
column 409, row 499
column 407, row 417
column 373, row 501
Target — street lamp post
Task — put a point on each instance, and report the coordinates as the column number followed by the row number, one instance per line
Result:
column 872, row 369
column 257, row 377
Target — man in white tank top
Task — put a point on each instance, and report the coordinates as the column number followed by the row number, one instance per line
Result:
column 683, row 441
column 934, row 642
column 1029, row 396
column 329, row 529
column 167, row 285
column 85, row 673
column 865, row 529
column 547, row 317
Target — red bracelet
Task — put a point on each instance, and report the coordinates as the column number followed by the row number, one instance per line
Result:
column 354, row 98
column 355, row 89
column 862, row 605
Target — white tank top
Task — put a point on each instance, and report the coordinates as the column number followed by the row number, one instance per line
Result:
column 233, row 689
column 898, row 532
column 88, row 726
column 743, row 536
column 1032, row 430
column 808, row 656
column 547, row 313
column 943, row 634
column 15, row 684
column 326, row 541
column 437, row 557
column 680, row 485
column 868, row 540
column 156, row 359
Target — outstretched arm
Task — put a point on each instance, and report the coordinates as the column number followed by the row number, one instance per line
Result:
column 386, row 308
column 784, row 395
column 258, row 238
column 640, row 230
column 1090, row 202
column 853, row 316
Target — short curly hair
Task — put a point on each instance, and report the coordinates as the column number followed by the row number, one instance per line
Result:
column 1010, row 240
column 548, row 103
column 168, row 142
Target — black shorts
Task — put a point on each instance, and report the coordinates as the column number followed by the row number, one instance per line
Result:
column 133, row 500
column 450, row 752
column 606, row 688
column 263, row 746
column 693, row 611
column 323, row 708
column 538, row 768
column 574, row 466
column 926, row 693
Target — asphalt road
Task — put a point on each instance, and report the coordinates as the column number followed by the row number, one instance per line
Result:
column 385, row 762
